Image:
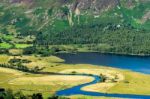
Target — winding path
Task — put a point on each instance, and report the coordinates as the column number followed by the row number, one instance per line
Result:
column 76, row 90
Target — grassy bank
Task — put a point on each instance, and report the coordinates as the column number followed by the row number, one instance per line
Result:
column 90, row 97
column 134, row 83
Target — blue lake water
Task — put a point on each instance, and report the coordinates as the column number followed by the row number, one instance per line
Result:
column 134, row 63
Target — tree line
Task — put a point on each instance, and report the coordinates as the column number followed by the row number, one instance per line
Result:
column 108, row 37
column 9, row 94
column 18, row 65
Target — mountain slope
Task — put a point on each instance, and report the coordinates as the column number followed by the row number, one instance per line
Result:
column 46, row 21
column 48, row 12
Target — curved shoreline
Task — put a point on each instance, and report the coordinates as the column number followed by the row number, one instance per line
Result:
column 134, row 63
column 76, row 90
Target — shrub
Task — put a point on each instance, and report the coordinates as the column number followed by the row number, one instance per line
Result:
column 73, row 72
column 3, row 51
column 103, row 78
column 29, row 50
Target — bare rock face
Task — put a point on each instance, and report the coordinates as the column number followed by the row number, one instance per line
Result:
column 95, row 5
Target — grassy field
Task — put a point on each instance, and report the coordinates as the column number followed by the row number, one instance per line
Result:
column 4, row 59
column 134, row 83
column 5, row 45
column 128, row 82
column 22, row 45
column 29, row 83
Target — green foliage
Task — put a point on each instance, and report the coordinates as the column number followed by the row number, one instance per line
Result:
column 48, row 21
column 111, row 38
column 4, row 51
column 20, row 46
column 29, row 50
column 65, row 10
column 9, row 94
column 103, row 78
column 5, row 45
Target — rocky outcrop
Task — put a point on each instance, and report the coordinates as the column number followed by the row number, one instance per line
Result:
column 96, row 5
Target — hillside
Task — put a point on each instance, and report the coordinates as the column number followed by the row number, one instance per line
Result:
column 42, row 14
column 47, row 22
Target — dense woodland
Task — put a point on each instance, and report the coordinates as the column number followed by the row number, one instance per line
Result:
column 109, row 38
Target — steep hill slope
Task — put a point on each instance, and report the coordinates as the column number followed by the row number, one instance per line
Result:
column 47, row 21
column 45, row 13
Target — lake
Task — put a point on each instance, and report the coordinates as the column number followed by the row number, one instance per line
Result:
column 134, row 63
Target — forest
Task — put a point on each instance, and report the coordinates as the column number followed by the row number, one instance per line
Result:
column 107, row 38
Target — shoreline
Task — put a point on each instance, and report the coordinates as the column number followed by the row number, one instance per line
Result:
column 109, row 53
